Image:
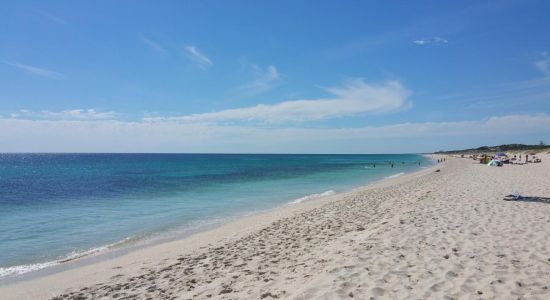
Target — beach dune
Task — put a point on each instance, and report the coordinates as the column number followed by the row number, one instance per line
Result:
column 441, row 235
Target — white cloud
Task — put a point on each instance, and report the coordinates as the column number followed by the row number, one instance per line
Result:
column 543, row 64
column 264, row 80
column 434, row 40
column 196, row 56
column 34, row 70
column 154, row 45
column 70, row 114
column 80, row 114
column 356, row 96
column 165, row 136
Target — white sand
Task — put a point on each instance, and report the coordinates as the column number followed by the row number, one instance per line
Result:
column 438, row 235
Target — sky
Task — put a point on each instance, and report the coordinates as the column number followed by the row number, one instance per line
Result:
column 273, row 76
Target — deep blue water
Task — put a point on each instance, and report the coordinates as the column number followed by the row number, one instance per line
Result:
column 54, row 206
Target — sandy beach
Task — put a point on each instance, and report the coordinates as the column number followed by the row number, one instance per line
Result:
column 444, row 233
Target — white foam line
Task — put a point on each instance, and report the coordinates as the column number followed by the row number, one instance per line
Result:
column 313, row 196
column 22, row 269
column 395, row 175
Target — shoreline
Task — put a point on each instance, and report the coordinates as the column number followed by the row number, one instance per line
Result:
column 117, row 249
column 441, row 232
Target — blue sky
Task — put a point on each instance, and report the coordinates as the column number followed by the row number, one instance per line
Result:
column 272, row 76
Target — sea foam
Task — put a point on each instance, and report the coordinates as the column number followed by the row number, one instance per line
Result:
column 395, row 175
column 22, row 269
column 313, row 196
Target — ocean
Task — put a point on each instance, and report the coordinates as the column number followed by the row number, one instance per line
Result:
column 57, row 207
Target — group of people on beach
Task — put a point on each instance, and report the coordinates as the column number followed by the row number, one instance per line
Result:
column 502, row 158
column 392, row 164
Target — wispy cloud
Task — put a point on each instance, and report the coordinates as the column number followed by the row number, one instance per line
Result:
column 264, row 80
column 543, row 64
column 513, row 95
column 447, row 23
column 420, row 42
column 34, row 70
column 154, row 45
column 356, row 96
column 52, row 17
column 81, row 114
column 435, row 41
column 70, row 114
column 196, row 56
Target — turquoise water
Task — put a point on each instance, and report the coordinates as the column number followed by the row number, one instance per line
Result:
column 57, row 206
